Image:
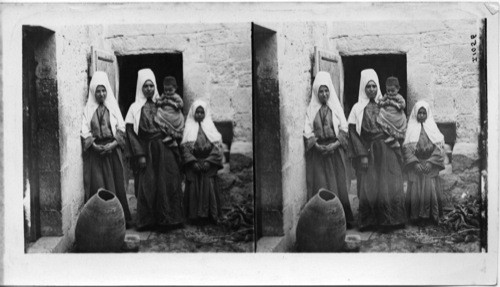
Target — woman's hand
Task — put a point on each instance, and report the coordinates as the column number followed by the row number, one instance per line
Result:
column 428, row 167
column 108, row 148
column 206, row 166
column 142, row 162
column 419, row 168
column 97, row 147
column 197, row 166
column 319, row 147
column 364, row 163
column 160, row 102
column 330, row 149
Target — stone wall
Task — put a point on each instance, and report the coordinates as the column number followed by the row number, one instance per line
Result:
column 217, row 64
column 73, row 58
column 439, row 68
column 296, row 43
column 441, row 71
column 439, row 64
column 217, row 67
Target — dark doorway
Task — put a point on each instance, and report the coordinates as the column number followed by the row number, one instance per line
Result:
column 386, row 65
column 169, row 64
column 267, row 142
column 41, row 159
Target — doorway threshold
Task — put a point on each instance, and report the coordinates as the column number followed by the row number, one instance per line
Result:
column 271, row 244
column 49, row 244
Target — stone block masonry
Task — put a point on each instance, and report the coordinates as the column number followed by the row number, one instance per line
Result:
column 217, row 67
column 217, row 64
column 440, row 70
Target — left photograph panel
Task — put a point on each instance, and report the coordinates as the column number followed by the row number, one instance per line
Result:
column 138, row 138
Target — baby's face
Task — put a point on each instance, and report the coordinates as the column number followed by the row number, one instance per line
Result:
column 169, row 90
column 392, row 90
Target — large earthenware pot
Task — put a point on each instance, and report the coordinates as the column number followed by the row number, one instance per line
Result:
column 101, row 224
column 322, row 225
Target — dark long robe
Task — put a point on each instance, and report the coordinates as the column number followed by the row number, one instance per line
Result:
column 328, row 171
column 380, row 187
column 104, row 171
column 201, row 197
column 158, row 186
column 423, row 197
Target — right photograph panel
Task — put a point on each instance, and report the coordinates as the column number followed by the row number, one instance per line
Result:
column 370, row 136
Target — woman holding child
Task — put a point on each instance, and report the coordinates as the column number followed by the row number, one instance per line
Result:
column 325, row 135
column 424, row 158
column 156, row 160
column 377, row 161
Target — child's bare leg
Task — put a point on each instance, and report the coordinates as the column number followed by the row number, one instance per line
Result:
column 395, row 144
column 389, row 139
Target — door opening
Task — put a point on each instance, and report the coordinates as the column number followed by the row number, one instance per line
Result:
column 167, row 64
column 41, row 159
column 386, row 65
column 267, row 141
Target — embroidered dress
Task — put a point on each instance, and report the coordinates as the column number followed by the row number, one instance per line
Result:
column 158, row 185
column 380, row 186
column 103, row 124
column 423, row 197
column 328, row 171
column 201, row 143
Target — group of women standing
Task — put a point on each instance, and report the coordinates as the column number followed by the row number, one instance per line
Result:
column 158, row 162
column 334, row 143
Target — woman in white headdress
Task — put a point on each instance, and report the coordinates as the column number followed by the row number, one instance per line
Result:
column 423, row 151
column 202, row 158
column 155, row 164
column 103, row 136
column 378, row 166
column 325, row 134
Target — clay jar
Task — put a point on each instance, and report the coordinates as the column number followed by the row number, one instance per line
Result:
column 101, row 224
column 322, row 225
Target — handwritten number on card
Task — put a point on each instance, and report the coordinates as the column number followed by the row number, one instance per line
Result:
column 473, row 49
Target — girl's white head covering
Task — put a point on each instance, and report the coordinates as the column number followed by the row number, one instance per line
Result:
column 191, row 128
column 116, row 120
column 356, row 115
column 134, row 112
column 430, row 127
column 338, row 117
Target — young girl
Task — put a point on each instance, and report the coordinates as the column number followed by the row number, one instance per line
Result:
column 202, row 153
column 424, row 158
column 169, row 115
column 392, row 118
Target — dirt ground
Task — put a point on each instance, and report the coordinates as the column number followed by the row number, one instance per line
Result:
column 217, row 238
column 189, row 238
column 411, row 238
